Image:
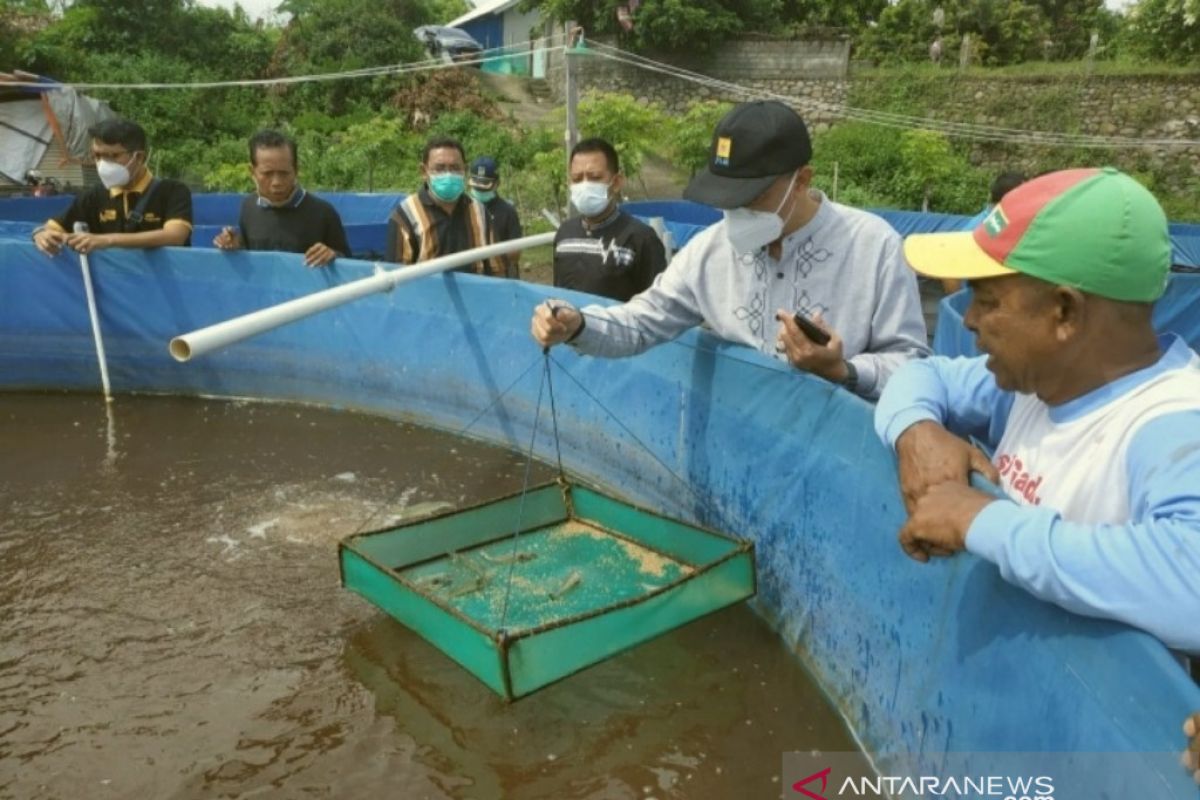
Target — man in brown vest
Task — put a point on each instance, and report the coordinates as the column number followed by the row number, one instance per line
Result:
column 440, row 218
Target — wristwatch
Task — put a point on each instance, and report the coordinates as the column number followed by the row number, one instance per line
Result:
column 851, row 379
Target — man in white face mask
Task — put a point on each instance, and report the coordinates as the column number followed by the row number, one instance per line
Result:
column 131, row 208
column 782, row 248
column 604, row 250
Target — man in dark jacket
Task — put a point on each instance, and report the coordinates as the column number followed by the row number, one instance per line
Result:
column 282, row 215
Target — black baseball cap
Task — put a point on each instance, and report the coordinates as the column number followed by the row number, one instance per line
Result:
column 753, row 145
column 483, row 171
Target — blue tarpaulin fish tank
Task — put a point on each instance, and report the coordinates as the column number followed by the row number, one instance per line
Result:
column 925, row 662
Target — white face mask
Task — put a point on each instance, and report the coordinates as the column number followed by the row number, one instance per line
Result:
column 590, row 197
column 113, row 174
column 749, row 230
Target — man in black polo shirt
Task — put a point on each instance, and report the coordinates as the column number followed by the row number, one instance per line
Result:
column 283, row 216
column 440, row 218
column 603, row 251
column 484, row 182
column 131, row 209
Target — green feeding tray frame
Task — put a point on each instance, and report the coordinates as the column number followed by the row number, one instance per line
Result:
column 586, row 577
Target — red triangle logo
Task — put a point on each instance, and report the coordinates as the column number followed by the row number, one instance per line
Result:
column 823, row 775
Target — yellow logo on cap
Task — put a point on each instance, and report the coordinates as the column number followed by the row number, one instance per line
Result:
column 724, row 146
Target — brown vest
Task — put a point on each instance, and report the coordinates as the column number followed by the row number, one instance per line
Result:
column 414, row 222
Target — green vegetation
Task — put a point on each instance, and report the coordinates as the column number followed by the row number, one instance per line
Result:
column 1001, row 31
column 1055, row 104
column 366, row 134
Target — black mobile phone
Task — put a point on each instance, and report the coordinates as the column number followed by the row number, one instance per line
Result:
column 810, row 329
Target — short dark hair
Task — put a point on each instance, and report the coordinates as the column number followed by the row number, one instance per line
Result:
column 438, row 142
column 124, row 132
column 268, row 139
column 1005, row 182
column 598, row 145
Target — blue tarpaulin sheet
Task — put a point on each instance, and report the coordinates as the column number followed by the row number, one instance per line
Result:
column 1177, row 311
column 923, row 660
column 1185, row 244
column 682, row 218
column 909, row 222
column 33, row 209
column 364, row 216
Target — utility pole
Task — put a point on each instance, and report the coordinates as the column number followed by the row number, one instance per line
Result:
column 572, row 90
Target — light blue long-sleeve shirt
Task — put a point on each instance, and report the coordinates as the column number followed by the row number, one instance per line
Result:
column 1144, row 571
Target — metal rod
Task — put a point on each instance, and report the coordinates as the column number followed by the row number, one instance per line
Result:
column 186, row 346
column 81, row 227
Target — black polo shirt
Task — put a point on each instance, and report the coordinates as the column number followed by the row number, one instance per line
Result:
column 453, row 232
column 107, row 210
column 293, row 227
column 617, row 258
column 506, row 225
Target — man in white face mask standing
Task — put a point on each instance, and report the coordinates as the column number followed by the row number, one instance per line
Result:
column 782, row 248
column 131, row 209
column 604, row 250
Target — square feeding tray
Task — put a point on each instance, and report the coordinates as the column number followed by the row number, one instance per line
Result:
column 587, row 577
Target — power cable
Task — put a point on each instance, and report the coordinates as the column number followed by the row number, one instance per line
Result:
column 891, row 119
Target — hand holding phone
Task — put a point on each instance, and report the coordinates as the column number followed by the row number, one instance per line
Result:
column 810, row 329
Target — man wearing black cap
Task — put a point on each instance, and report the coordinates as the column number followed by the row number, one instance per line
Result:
column 782, row 246
column 483, row 182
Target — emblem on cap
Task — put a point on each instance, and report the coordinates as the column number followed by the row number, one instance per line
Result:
column 724, row 148
column 996, row 222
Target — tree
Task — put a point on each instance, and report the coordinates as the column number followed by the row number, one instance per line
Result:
column 341, row 35
column 1072, row 23
column 927, row 162
column 632, row 128
column 18, row 19
column 1004, row 31
column 1165, row 29
column 689, row 137
column 817, row 16
column 685, row 25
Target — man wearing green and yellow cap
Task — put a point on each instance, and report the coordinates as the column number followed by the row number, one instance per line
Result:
column 1094, row 419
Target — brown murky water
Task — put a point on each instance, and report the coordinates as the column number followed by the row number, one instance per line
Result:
column 172, row 627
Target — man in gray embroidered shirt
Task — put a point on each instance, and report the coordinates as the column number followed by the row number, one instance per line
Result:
column 782, row 247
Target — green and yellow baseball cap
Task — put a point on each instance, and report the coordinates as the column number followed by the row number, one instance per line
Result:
column 1097, row 230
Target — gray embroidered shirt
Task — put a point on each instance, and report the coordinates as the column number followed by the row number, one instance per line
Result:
column 845, row 263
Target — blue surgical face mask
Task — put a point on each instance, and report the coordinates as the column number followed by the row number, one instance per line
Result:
column 447, row 186
column 482, row 196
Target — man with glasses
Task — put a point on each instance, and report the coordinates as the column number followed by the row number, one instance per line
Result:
column 131, row 208
column 441, row 218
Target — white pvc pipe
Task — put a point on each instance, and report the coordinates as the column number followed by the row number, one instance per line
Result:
column 204, row 340
column 81, row 227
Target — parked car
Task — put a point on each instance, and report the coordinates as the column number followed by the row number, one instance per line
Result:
column 454, row 42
